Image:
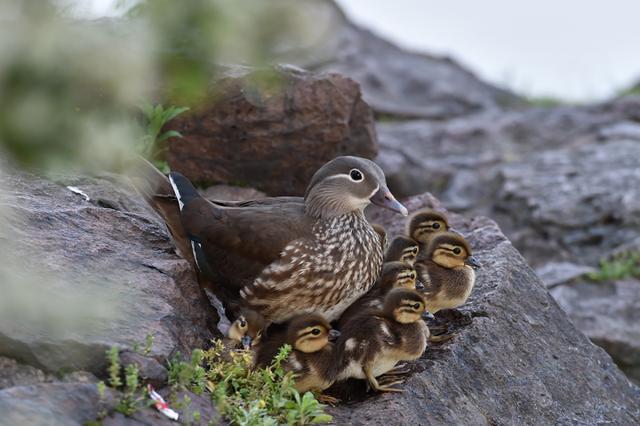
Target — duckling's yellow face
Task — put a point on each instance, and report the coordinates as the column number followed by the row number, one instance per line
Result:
column 409, row 255
column 312, row 339
column 406, row 279
column 241, row 331
column 449, row 255
column 424, row 231
column 409, row 310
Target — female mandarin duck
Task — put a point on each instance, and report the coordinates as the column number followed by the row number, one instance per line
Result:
column 286, row 255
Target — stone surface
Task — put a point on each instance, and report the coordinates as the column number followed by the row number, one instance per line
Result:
column 149, row 369
column 457, row 159
column 553, row 274
column 12, row 373
column 53, row 404
column 607, row 312
column 185, row 403
column 394, row 81
column 232, row 193
column 520, row 361
column 87, row 275
column 272, row 135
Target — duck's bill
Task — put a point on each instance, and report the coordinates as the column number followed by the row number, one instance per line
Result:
column 473, row 262
column 384, row 198
column 428, row 316
column 333, row 334
column 246, row 342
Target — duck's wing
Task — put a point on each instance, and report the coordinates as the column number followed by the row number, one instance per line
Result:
column 234, row 244
column 267, row 201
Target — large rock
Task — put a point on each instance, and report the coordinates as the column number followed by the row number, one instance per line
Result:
column 83, row 275
column 521, row 361
column 53, row 404
column 457, row 159
column 274, row 133
column 607, row 312
column 394, row 81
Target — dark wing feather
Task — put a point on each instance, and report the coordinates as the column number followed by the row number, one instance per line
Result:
column 238, row 242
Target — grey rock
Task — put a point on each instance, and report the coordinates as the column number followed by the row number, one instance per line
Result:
column 394, row 81
column 553, row 274
column 520, row 361
column 607, row 312
column 83, row 276
column 12, row 373
column 150, row 370
column 579, row 203
column 53, row 404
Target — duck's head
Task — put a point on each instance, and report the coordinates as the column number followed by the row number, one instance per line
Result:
column 310, row 333
column 404, row 306
column 347, row 184
column 402, row 249
column 397, row 275
column 451, row 250
column 247, row 329
column 425, row 224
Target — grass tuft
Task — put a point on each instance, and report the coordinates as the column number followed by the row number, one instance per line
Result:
column 625, row 265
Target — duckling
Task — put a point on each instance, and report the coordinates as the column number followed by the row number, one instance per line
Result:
column 394, row 275
column 402, row 249
column 447, row 272
column 282, row 257
column 312, row 359
column 373, row 343
column 423, row 225
column 246, row 331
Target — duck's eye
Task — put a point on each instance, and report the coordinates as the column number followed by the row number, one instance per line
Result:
column 457, row 250
column 315, row 331
column 356, row 175
column 416, row 306
column 436, row 225
column 243, row 323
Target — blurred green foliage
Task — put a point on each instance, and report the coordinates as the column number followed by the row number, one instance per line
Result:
column 624, row 265
column 69, row 88
column 153, row 144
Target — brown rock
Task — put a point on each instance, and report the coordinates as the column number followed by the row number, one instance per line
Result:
column 272, row 136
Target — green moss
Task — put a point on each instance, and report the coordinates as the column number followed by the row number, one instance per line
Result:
column 625, row 265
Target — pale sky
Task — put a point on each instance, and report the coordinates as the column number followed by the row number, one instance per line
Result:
column 573, row 49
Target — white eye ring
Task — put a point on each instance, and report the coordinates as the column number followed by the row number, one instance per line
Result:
column 356, row 175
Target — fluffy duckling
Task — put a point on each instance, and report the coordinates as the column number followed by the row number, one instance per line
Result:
column 373, row 343
column 423, row 225
column 246, row 331
column 312, row 359
column 394, row 275
column 402, row 249
column 447, row 272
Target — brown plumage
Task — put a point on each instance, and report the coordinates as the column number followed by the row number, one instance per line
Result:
column 447, row 272
column 313, row 354
column 394, row 275
column 371, row 344
column 281, row 256
column 402, row 249
column 425, row 224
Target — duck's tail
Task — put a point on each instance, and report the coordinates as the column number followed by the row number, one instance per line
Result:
column 183, row 188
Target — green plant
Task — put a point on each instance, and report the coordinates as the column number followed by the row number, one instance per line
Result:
column 622, row 266
column 153, row 145
column 133, row 396
column 258, row 396
column 190, row 375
